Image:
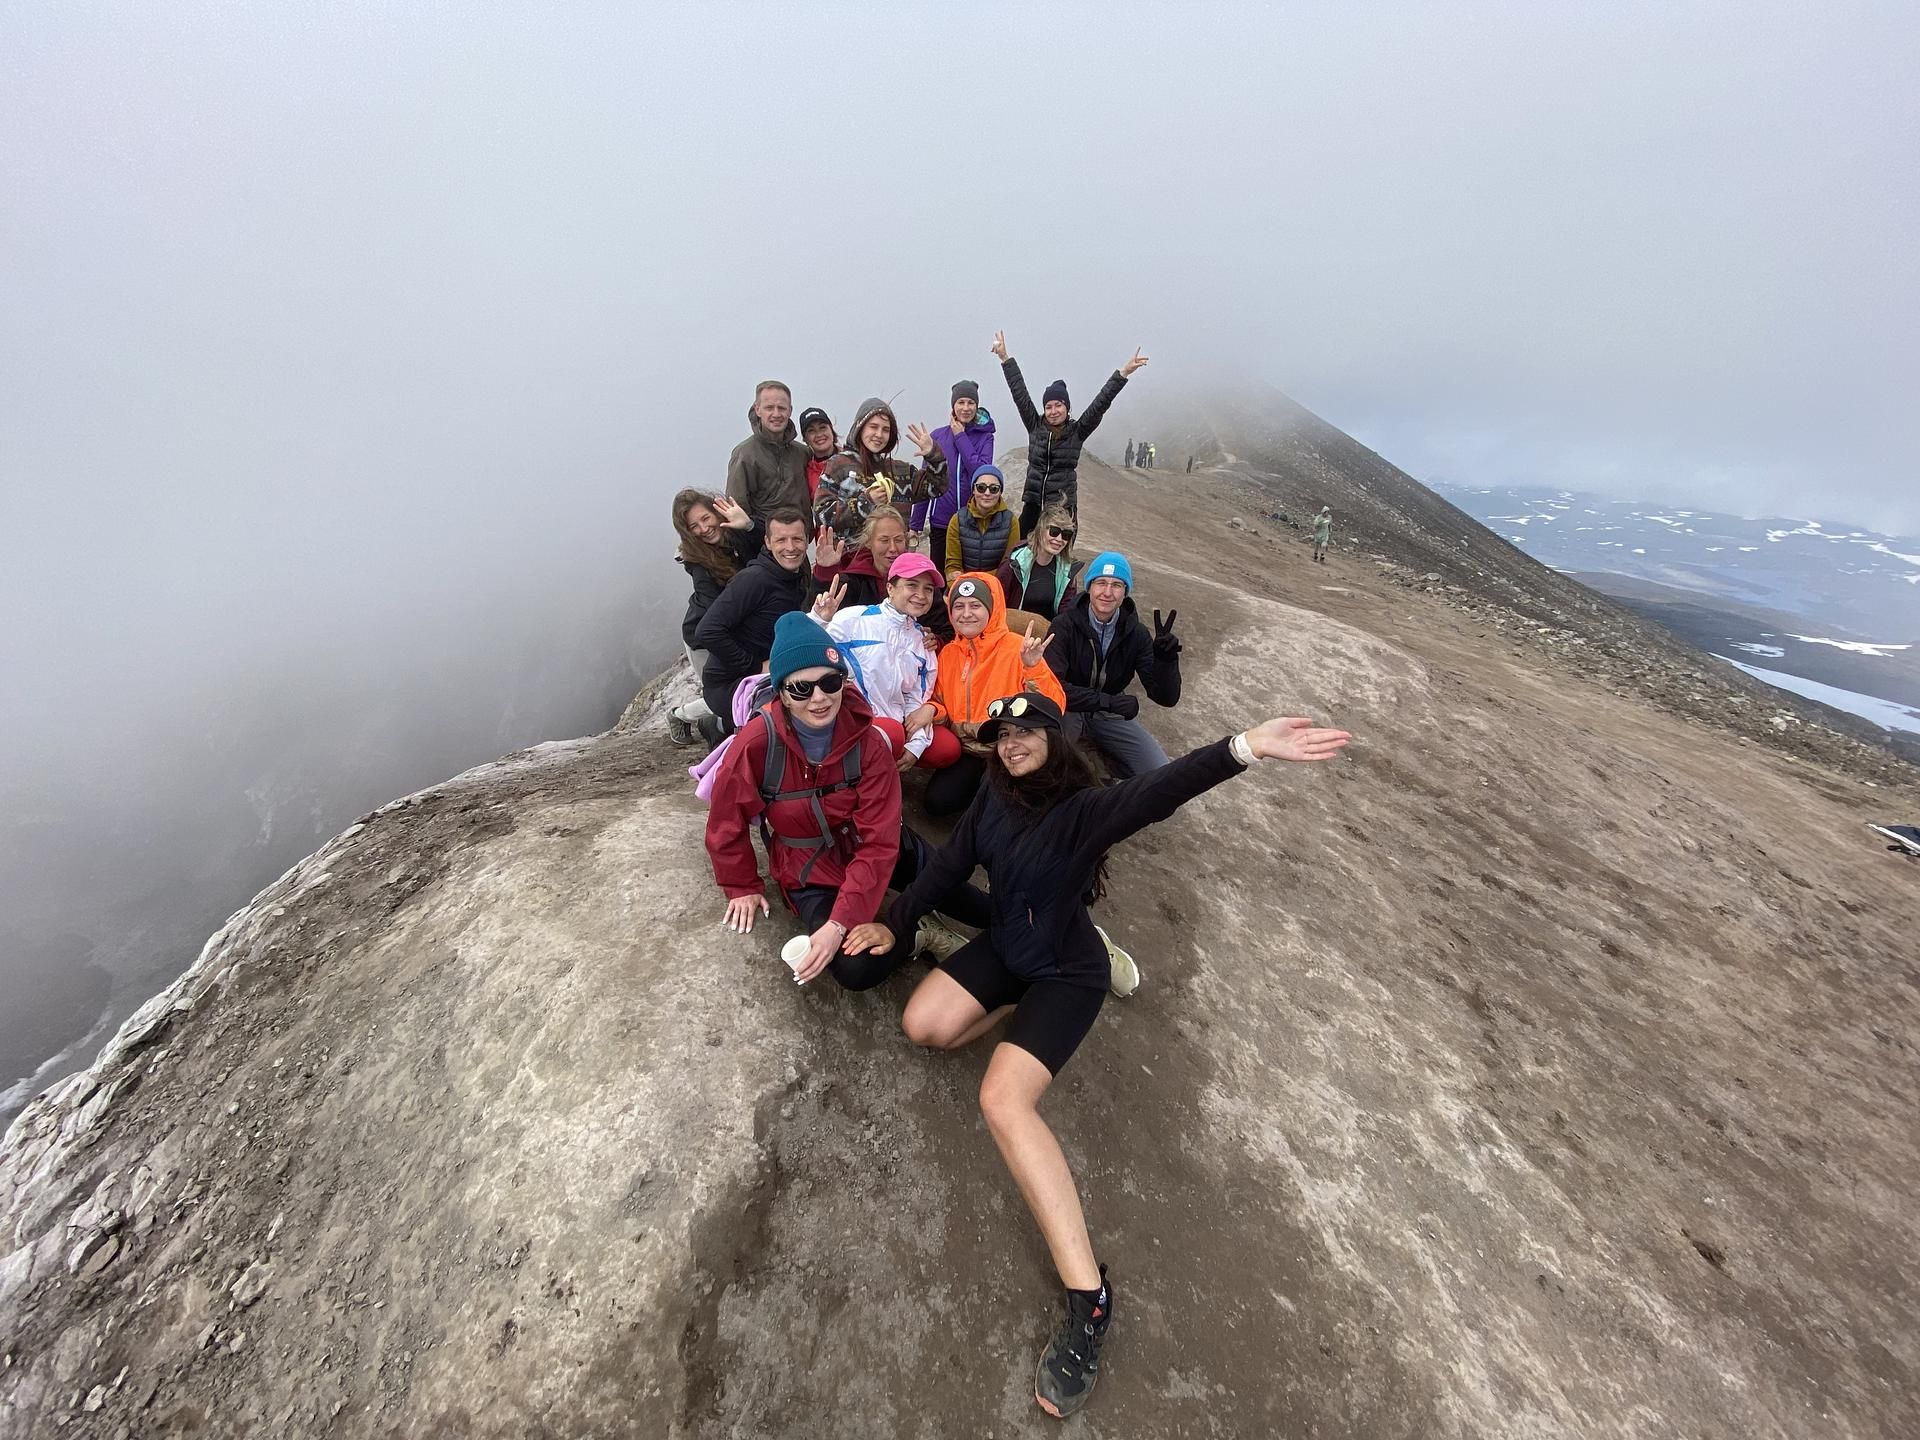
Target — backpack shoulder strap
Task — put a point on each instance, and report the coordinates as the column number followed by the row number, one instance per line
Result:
column 774, row 771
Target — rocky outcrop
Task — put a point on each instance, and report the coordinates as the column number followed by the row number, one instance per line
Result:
column 1545, row 1067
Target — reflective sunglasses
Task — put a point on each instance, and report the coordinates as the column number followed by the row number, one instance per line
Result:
column 827, row 684
column 1056, row 533
column 1012, row 705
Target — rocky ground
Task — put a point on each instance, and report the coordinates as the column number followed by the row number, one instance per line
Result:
column 1545, row 1067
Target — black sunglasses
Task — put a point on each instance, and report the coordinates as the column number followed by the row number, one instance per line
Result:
column 986, row 489
column 828, row 684
column 1055, row 532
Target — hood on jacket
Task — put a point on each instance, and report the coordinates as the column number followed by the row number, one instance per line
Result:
column 994, row 596
column 756, row 428
column 873, row 405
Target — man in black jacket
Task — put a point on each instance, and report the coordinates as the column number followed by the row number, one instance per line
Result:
column 1054, row 435
column 1098, row 645
column 737, row 630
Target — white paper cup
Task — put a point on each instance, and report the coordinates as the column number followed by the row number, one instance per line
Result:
column 794, row 952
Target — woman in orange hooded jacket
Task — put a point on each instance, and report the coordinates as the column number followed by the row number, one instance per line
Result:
column 984, row 662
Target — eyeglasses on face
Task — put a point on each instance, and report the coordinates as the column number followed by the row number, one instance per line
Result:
column 1056, row 532
column 1012, row 705
column 827, row 684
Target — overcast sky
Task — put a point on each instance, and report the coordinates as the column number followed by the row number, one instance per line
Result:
column 322, row 320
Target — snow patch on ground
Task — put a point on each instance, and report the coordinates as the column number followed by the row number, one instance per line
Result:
column 1887, row 714
column 1773, row 651
column 1859, row 647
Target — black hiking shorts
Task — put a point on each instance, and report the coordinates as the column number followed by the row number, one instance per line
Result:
column 1050, row 1017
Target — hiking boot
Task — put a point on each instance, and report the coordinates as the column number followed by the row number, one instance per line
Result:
column 936, row 939
column 679, row 731
column 1070, row 1364
column 1123, row 976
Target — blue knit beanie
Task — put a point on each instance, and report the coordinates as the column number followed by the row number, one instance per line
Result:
column 1109, row 565
column 1056, row 391
column 800, row 642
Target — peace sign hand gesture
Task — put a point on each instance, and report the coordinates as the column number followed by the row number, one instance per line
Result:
column 1000, row 345
column 828, row 602
column 1134, row 364
column 827, row 549
column 922, row 441
column 1288, row 737
column 1031, row 650
column 1165, row 642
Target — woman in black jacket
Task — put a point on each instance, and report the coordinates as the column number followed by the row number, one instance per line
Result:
column 717, row 537
column 1055, row 436
column 1042, row 828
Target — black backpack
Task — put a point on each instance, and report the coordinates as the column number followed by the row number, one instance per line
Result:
column 846, row 838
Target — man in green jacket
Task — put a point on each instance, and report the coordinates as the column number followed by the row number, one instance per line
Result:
column 768, row 470
column 1322, row 532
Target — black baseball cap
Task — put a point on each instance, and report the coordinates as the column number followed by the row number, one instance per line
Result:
column 814, row 415
column 1029, row 710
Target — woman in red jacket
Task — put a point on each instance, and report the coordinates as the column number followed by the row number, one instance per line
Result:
column 811, row 768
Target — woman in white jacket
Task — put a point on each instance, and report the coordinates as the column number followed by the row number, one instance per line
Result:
column 893, row 660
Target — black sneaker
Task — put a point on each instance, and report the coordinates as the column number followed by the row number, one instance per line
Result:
column 1070, row 1364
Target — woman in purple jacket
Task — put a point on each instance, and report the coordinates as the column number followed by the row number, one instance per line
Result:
column 968, row 444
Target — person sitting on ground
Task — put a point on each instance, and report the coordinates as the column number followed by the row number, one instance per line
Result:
column 1041, row 577
column 1322, row 533
column 967, row 442
column 983, row 534
column 737, row 630
column 717, row 537
column 875, row 432
column 814, row 771
column 1042, row 828
column 822, row 441
column 1099, row 645
column 861, row 568
column 1054, row 435
column 894, row 660
column 768, row 470
column 984, row 660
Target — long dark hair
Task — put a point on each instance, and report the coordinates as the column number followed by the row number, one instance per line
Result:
column 1067, row 770
column 717, row 560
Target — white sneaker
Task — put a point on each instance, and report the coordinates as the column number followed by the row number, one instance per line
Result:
column 1123, row 976
column 936, row 939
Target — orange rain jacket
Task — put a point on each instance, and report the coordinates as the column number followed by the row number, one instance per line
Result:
column 974, row 673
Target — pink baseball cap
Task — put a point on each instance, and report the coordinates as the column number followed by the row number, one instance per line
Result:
column 909, row 563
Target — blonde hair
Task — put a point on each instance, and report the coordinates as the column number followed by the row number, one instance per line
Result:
column 883, row 512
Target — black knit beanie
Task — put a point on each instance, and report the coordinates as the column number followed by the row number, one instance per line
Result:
column 1056, row 391
column 966, row 390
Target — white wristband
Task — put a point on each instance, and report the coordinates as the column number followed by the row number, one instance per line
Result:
column 1242, row 750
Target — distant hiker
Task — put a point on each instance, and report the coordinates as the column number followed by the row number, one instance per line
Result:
column 984, row 660
column 1054, row 436
column 821, row 440
column 875, row 432
column 1042, row 828
column 1040, row 576
column 895, row 660
column 1153, row 455
column 1129, row 456
column 814, row 772
column 768, row 469
column 1322, row 533
column 1145, row 456
column 717, row 537
column 982, row 534
column 737, row 630
column 1099, row 645
column 1189, row 464
column 967, row 442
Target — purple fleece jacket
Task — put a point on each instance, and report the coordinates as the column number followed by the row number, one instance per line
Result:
column 966, row 453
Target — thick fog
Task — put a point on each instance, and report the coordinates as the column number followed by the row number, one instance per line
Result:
column 349, row 354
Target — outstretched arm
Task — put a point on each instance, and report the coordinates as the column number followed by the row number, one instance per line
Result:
column 1090, row 418
column 1009, row 367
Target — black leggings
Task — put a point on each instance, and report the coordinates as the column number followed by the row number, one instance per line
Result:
column 950, row 791
column 968, row 904
column 718, row 694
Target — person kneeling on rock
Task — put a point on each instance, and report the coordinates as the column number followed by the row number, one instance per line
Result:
column 1099, row 645
column 817, row 775
column 1042, row 827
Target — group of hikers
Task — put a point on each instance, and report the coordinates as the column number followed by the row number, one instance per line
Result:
column 934, row 629
column 1143, row 455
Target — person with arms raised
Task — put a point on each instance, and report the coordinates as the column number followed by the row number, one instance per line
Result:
column 967, row 442
column 737, row 630
column 1041, row 827
column 768, row 470
column 1099, row 645
column 1055, row 436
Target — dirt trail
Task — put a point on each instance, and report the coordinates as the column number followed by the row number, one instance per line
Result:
column 1546, row 1067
